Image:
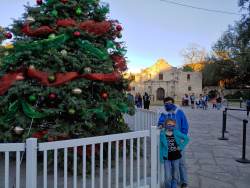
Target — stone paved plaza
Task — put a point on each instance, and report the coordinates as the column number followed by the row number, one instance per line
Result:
column 211, row 162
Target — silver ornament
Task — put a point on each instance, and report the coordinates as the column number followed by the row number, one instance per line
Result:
column 18, row 130
column 64, row 53
column 6, row 54
column 77, row 91
column 110, row 51
column 32, row 67
column 52, row 36
column 30, row 20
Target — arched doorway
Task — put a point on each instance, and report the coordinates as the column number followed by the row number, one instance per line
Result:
column 213, row 93
column 160, row 94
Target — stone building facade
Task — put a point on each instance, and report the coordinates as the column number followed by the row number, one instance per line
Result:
column 162, row 80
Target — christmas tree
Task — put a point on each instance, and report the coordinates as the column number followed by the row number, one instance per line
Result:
column 65, row 80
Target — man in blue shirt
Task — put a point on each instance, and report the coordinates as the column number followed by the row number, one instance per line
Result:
column 172, row 110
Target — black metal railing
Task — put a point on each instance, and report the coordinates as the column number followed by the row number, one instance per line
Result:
column 224, row 124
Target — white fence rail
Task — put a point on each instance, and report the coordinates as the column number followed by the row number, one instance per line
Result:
column 157, row 171
column 142, row 119
column 7, row 148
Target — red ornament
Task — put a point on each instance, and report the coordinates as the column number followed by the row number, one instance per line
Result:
column 129, row 88
column 123, row 119
column 8, row 36
column 96, row 3
column 104, row 95
column 52, row 96
column 63, row 1
column 39, row 2
column 50, row 139
column 119, row 46
column 77, row 34
column 119, row 28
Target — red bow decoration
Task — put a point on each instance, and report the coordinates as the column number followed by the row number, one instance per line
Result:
column 121, row 63
column 94, row 27
column 42, row 77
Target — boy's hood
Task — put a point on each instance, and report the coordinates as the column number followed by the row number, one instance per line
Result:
column 164, row 111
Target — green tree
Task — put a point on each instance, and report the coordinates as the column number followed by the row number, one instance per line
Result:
column 187, row 68
column 79, row 41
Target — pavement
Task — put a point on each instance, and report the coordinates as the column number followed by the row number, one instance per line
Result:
column 210, row 162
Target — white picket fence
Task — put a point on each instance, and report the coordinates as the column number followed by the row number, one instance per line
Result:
column 142, row 119
column 157, row 173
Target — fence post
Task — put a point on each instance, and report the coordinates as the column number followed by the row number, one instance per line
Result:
column 31, row 162
column 153, row 156
column 225, row 131
column 243, row 159
column 223, row 126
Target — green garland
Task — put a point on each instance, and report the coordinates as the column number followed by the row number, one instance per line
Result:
column 52, row 44
column 32, row 114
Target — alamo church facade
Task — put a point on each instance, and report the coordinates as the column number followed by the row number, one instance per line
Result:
column 162, row 80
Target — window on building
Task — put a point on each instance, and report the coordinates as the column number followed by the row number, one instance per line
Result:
column 189, row 88
column 188, row 76
column 133, row 88
column 160, row 76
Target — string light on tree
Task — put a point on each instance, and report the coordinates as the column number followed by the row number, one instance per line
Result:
column 52, row 36
column 77, row 91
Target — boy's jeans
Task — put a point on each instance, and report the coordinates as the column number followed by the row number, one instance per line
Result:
column 183, row 168
column 171, row 168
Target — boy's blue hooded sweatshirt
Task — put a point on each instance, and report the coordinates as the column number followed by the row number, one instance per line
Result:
column 177, row 115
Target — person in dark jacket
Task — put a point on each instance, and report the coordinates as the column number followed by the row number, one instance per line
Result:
column 139, row 103
column 218, row 101
column 146, row 101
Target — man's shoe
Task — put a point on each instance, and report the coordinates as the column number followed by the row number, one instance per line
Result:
column 184, row 185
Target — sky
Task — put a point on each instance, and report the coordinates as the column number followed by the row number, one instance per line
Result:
column 156, row 29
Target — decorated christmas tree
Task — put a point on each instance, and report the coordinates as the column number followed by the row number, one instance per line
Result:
column 65, row 80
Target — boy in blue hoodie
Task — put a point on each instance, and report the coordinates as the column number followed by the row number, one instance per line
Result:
column 172, row 110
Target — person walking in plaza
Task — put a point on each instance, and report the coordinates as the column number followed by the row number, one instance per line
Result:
column 186, row 99
column 214, row 103
column 203, row 102
column 192, row 98
column 146, row 101
column 170, row 151
column 218, row 102
column 248, row 106
column 172, row 110
column 136, row 99
column 206, row 99
column 139, row 101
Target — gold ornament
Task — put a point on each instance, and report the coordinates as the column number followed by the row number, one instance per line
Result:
column 77, row 91
column 18, row 130
column 64, row 53
column 30, row 20
column 32, row 67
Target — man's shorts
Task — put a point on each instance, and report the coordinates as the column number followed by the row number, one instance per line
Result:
column 192, row 102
